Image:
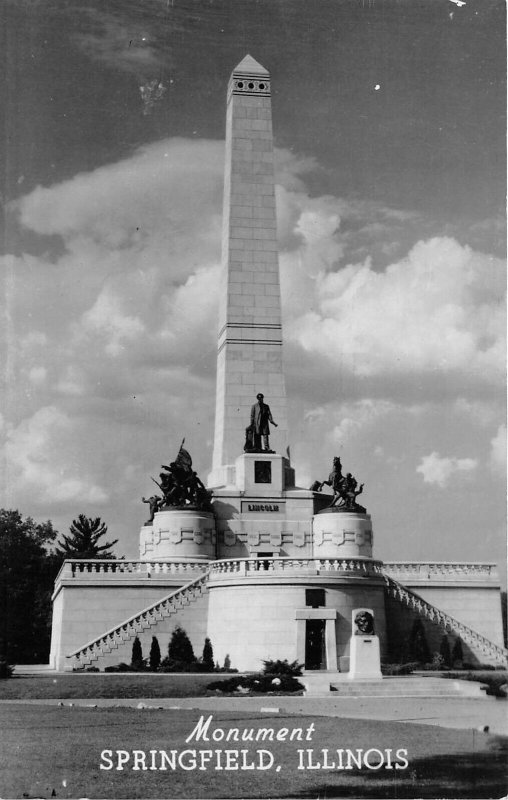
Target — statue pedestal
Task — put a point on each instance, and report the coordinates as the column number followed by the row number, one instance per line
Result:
column 342, row 534
column 364, row 659
column 183, row 534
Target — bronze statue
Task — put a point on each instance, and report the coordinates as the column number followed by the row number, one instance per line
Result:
column 260, row 416
column 364, row 622
column 344, row 489
column 155, row 503
column 180, row 486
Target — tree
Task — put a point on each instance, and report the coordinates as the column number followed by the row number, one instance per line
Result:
column 180, row 647
column 137, row 653
column 444, row 651
column 418, row 647
column 457, row 652
column 83, row 542
column 207, row 658
column 28, row 568
column 155, row 655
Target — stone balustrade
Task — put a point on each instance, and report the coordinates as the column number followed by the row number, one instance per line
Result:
column 121, row 569
column 403, row 571
column 409, row 571
column 235, row 568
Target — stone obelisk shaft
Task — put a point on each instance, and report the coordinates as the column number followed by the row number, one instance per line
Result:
column 249, row 356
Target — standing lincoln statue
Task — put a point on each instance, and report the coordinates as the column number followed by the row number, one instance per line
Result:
column 260, row 416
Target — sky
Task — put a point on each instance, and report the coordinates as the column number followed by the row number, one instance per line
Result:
column 389, row 128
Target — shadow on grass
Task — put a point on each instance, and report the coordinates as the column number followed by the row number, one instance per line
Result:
column 464, row 775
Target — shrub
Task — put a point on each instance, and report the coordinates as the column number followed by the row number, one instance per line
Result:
column 174, row 665
column 122, row 667
column 6, row 669
column 207, row 658
column 137, row 654
column 265, row 684
column 457, row 653
column 437, row 662
column 279, row 667
column 418, row 647
column 180, row 647
column 92, row 669
column 399, row 669
column 155, row 655
column 496, row 684
column 444, row 651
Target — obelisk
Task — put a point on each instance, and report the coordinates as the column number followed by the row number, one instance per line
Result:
column 249, row 358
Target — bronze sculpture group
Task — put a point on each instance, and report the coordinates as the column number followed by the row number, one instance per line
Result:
column 345, row 489
column 180, row 487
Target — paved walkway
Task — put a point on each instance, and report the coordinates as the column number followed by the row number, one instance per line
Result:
column 447, row 712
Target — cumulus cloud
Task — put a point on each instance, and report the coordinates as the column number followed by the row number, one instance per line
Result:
column 439, row 470
column 36, row 455
column 437, row 310
column 355, row 417
column 107, row 316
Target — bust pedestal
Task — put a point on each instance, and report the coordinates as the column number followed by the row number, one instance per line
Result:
column 364, row 652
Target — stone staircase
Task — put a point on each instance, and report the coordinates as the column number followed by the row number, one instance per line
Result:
column 483, row 648
column 407, row 686
column 142, row 621
column 323, row 684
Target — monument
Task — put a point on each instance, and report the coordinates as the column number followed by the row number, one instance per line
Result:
column 264, row 568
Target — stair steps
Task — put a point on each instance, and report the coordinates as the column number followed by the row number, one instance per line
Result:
column 407, row 686
column 142, row 621
column 483, row 648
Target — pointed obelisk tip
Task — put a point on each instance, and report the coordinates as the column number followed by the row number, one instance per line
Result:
column 249, row 66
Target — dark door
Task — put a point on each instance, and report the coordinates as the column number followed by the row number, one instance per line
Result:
column 315, row 651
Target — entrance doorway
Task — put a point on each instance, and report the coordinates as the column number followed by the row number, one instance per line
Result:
column 315, row 645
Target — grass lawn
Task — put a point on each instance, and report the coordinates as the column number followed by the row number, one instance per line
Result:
column 108, row 685
column 56, row 751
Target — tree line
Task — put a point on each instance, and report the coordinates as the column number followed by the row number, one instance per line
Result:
column 31, row 555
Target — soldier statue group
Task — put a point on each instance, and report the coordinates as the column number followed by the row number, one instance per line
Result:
column 344, row 489
column 180, row 486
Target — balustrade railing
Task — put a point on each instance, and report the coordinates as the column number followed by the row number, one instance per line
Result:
column 441, row 570
column 243, row 566
column 400, row 570
column 77, row 568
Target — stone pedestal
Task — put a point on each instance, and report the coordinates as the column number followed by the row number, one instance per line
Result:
column 342, row 534
column 364, row 651
column 179, row 534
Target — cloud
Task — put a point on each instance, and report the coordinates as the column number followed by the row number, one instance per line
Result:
column 436, row 311
column 106, row 316
column 439, row 471
column 353, row 418
column 133, row 47
column 36, row 457
column 37, row 375
column 498, row 452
